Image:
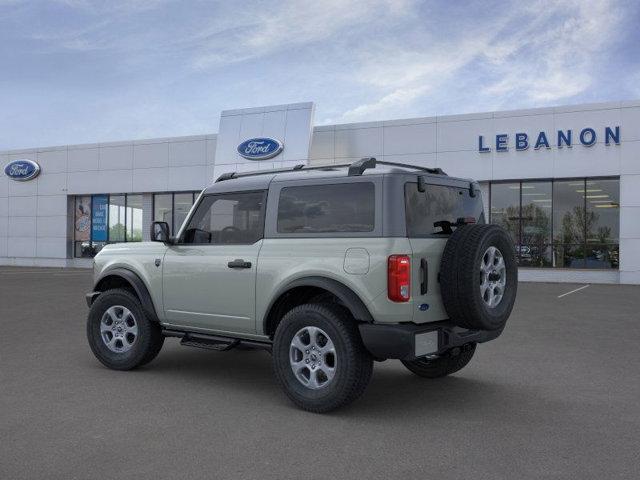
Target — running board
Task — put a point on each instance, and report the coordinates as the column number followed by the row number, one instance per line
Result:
column 220, row 344
column 213, row 342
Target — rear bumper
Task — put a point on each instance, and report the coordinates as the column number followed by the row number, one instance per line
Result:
column 410, row 341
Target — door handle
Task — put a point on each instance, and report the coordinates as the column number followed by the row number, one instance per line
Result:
column 424, row 277
column 239, row 263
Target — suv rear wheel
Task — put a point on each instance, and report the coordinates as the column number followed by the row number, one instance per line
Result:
column 449, row 363
column 319, row 358
column 119, row 333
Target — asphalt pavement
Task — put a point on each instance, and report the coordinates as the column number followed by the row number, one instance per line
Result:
column 556, row 396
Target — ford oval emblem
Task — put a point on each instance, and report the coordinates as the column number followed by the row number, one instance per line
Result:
column 22, row 170
column 260, row 148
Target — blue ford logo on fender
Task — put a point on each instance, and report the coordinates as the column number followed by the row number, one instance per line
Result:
column 22, row 170
column 260, row 148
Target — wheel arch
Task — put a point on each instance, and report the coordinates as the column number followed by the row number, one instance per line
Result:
column 298, row 291
column 128, row 279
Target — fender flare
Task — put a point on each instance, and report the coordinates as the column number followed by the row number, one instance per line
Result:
column 136, row 283
column 347, row 296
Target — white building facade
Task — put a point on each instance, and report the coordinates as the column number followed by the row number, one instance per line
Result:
column 564, row 181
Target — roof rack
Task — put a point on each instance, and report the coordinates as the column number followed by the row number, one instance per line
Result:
column 356, row 168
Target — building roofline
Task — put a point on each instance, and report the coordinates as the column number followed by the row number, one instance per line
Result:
column 567, row 108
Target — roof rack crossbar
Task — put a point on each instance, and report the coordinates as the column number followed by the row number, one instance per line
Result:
column 359, row 166
column 226, row 176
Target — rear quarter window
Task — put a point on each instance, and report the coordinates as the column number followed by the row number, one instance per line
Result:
column 436, row 204
column 337, row 208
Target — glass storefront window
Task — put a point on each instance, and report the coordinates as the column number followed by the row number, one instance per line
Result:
column 173, row 208
column 182, row 203
column 564, row 223
column 102, row 219
column 99, row 226
column 535, row 242
column 505, row 208
column 603, row 211
column 134, row 218
column 603, row 223
column 82, row 227
column 117, row 218
column 602, row 256
column 568, row 212
column 568, row 256
column 163, row 208
column 569, row 223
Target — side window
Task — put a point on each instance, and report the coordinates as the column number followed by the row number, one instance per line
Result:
column 344, row 207
column 234, row 218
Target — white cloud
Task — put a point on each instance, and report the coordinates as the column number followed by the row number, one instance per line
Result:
column 112, row 6
column 161, row 68
column 544, row 52
column 406, row 76
column 555, row 63
column 399, row 97
column 287, row 25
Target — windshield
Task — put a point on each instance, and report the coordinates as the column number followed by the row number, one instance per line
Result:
column 436, row 210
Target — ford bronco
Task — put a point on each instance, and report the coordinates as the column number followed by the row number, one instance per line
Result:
column 329, row 268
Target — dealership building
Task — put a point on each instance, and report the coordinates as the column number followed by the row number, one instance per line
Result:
column 564, row 181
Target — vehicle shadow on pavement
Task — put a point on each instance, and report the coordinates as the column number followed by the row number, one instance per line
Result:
column 393, row 391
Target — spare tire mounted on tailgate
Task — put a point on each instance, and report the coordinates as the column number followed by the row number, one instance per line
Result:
column 479, row 277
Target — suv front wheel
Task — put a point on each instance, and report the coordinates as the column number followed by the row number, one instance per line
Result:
column 120, row 334
column 319, row 358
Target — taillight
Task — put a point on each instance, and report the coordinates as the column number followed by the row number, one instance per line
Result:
column 399, row 278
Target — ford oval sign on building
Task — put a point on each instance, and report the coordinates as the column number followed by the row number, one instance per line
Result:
column 260, row 148
column 22, row 170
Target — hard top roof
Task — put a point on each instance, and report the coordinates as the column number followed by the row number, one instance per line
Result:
column 260, row 179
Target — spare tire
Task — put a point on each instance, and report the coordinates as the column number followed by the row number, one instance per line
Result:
column 479, row 277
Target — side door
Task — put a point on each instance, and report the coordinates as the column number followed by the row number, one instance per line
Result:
column 209, row 274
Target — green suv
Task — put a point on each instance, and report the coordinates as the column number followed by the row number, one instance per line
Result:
column 328, row 268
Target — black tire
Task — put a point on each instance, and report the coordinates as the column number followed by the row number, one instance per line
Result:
column 353, row 366
column 461, row 278
column 449, row 363
column 148, row 341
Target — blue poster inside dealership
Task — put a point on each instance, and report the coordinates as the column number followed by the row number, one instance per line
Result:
column 99, row 218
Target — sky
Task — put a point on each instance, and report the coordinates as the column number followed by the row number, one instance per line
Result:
column 80, row 71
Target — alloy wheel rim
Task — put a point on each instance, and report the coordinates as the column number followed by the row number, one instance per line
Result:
column 118, row 329
column 312, row 356
column 493, row 277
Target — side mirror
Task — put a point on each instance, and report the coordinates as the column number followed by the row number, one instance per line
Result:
column 160, row 232
column 474, row 189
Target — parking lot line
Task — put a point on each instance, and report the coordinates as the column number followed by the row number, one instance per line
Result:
column 573, row 291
